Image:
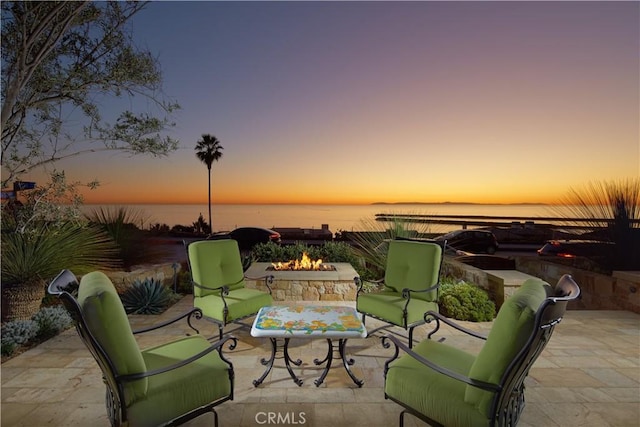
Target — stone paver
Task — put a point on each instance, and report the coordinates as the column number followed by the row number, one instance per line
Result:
column 589, row 374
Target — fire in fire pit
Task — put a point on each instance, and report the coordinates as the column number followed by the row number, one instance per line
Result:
column 305, row 264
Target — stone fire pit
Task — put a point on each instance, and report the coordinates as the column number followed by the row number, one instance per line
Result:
column 303, row 285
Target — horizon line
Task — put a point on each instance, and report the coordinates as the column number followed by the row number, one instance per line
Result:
column 321, row 204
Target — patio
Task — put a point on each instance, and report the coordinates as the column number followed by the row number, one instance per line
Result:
column 589, row 374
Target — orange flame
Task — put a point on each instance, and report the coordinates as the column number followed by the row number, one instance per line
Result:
column 305, row 263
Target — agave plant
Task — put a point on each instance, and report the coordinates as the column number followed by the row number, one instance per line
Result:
column 147, row 296
column 43, row 251
column 32, row 257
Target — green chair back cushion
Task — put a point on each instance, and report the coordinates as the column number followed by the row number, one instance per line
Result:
column 105, row 317
column 413, row 265
column 215, row 263
column 510, row 331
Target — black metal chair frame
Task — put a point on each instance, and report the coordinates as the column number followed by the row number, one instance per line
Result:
column 508, row 401
column 224, row 290
column 114, row 399
column 406, row 294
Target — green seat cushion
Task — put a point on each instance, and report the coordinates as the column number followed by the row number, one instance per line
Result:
column 215, row 263
column 389, row 305
column 413, row 265
column 438, row 396
column 179, row 391
column 509, row 333
column 105, row 317
column 240, row 302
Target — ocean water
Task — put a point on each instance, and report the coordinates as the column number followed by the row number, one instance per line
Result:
column 337, row 217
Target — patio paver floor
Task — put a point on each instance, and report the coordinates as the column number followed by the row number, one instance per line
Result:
column 589, row 374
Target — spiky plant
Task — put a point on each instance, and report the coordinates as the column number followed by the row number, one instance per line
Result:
column 372, row 245
column 147, row 296
column 124, row 225
column 618, row 204
column 42, row 252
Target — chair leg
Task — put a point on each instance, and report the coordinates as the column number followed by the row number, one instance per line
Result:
column 215, row 417
column 401, row 424
column 220, row 332
column 411, row 337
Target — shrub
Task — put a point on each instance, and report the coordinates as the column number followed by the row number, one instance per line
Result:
column 184, row 285
column 339, row 252
column 51, row 321
column 464, row 301
column 17, row 332
column 268, row 252
column 147, row 296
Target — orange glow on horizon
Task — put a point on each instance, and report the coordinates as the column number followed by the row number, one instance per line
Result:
column 101, row 196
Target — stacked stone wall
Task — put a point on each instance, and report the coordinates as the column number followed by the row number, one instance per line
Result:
column 308, row 290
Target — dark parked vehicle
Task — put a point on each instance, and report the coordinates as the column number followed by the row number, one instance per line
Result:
column 471, row 240
column 595, row 250
column 248, row 237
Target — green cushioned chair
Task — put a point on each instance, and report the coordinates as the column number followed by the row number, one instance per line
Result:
column 447, row 386
column 164, row 385
column 409, row 288
column 219, row 283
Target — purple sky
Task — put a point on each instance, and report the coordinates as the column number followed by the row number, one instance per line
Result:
column 358, row 102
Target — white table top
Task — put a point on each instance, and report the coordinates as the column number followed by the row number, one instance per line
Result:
column 308, row 321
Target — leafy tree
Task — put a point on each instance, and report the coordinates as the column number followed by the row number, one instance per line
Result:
column 53, row 203
column 209, row 150
column 59, row 61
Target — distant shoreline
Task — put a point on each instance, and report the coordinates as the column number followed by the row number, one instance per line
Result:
column 461, row 203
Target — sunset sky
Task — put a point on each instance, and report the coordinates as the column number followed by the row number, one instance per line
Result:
column 361, row 102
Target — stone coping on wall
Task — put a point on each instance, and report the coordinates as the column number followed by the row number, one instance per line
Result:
column 343, row 271
column 509, row 280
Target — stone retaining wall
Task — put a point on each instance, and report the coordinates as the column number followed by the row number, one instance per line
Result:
column 620, row 291
column 124, row 279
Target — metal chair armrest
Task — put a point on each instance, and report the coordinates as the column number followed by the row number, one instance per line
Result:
column 194, row 312
column 440, row 318
column 215, row 346
column 268, row 280
column 406, row 292
column 224, row 288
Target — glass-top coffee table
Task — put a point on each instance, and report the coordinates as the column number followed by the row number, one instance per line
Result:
column 333, row 323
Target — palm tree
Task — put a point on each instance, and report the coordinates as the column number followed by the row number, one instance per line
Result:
column 209, row 150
